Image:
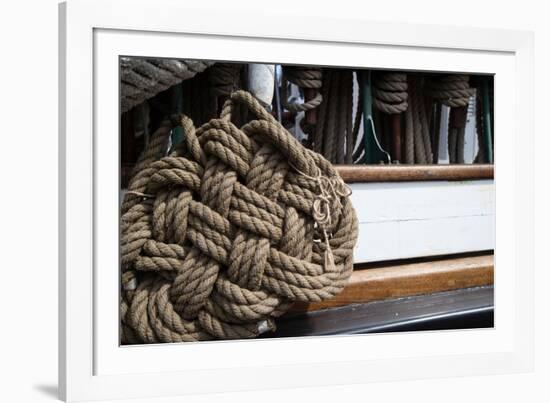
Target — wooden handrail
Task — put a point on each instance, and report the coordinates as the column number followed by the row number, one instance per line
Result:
column 405, row 173
column 405, row 280
column 392, row 173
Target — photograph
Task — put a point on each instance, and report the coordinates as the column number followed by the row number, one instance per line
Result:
column 236, row 201
column 273, row 200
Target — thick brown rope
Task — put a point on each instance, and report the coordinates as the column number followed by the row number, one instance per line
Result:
column 303, row 77
column 334, row 134
column 223, row 79
column 454, row 91
column 223, row 233
column 141, row 78
column 389, row 92
column 417, row 137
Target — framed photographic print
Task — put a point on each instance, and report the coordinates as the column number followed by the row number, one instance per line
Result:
column 250, row 203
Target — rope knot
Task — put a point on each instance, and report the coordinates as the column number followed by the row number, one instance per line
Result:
column 219, row 237
column 330, row 192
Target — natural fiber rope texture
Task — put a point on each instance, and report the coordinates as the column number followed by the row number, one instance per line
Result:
column 223, row 79
column 451, row 90
column 417, row 137
column 228, row 229
column 303, row 77
column 454, row 91
column 142, row 79
column 389, row 92
column 334, row 133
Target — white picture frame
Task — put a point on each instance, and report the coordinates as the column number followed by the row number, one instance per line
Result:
column 92, row 365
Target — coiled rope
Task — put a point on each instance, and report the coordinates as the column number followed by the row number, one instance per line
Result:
column 142, row 79
column 306, row 78
column 219, row 236
column 389, row 92
column 454, row 91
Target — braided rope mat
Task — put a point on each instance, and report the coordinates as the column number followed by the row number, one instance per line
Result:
column 142, row 79
column 221, row 235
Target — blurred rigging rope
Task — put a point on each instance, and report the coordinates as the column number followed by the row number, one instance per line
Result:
column 334, row 132
column 310, row 81
column 303, row 77
column 390, row 92
column 223, row 79
column 142, row 79
column 454, row 91
column 391, row 97
column 417, row 136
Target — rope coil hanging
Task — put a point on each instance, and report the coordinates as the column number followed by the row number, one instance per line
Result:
column 390, row 96
column 221, row 235
column 334, row 135
column 418, row 147
column 453, row 90
column 142, row 79
column 306, row 78
column 390, row 92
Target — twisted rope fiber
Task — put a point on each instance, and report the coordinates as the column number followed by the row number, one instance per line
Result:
column 390, row 92
column 221, row 235
column 223, row 79
column 454, row 91
column 335, row 132
column 303, row 77
column 142, row 79
column 417, row 137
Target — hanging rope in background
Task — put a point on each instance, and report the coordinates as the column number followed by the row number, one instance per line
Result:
column 390, row 96
column 310, row 81
column 142, row 79
column 223, row 79
column 418, row 148
column 454, row 91
column 334, row 135
column 389, row 92
column 305, row 78
column 406, row 118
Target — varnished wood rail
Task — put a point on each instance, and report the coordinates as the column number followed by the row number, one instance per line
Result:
column 392, row 173
column 405, row 173
column 404, row 280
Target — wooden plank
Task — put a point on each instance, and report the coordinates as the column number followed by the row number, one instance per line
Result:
column 409, row 279
column 407, row 173
column 404, row 220
column 470, row 308
column 403, row 173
